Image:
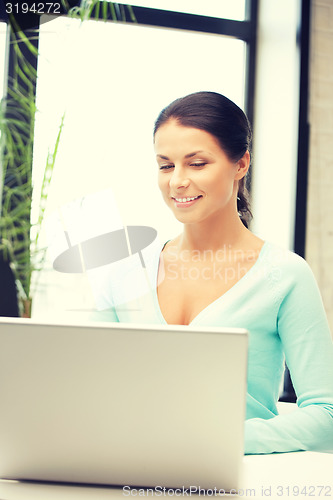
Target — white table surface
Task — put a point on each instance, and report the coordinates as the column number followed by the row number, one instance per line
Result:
column 303, row 475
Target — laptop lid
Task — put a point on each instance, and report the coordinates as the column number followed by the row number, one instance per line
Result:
column 120, row 404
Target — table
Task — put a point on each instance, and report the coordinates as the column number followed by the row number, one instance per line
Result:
column 302, row 475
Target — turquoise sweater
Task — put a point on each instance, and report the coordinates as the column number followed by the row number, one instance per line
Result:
column 278, row 302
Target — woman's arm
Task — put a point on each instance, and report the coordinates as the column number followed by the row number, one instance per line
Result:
column 308, row 347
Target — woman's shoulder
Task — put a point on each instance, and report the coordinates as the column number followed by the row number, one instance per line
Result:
column 288, row 275
column 291, row 265
column 279, row 253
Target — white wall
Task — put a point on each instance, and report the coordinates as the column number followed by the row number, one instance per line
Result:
column 319, row 228
column 276, row 122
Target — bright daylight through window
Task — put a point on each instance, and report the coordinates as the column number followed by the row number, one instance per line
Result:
column 111, row 80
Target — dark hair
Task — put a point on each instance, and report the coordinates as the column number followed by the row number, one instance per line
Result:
column 223, row 119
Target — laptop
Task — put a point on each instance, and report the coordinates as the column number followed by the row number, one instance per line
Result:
column 121, row 404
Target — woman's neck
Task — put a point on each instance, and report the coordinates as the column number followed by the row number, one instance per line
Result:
column 202, row 236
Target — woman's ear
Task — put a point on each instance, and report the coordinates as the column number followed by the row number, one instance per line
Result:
column 242, row 166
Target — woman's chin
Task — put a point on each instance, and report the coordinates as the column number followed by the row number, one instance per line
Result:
column 186, row 218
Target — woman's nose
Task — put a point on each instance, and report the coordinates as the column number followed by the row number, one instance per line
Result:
column 179, row 178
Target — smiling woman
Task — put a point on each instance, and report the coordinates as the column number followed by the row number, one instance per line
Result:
column 218, row 273
column 202, row 144
column 213, row 121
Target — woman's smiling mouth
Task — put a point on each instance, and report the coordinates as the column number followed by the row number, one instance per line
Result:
column 186, row 202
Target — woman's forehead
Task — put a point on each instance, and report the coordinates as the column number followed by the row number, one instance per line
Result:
column 174, row 135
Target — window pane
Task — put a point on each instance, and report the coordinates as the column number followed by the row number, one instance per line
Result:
column 226, row 9
column 3, row 36
column 112, row 80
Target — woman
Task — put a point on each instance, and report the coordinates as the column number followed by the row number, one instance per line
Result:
column 218, row 273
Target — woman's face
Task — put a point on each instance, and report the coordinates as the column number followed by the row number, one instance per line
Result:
column 196, row 178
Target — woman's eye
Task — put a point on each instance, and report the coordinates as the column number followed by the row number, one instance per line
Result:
column 198, row 164
column 165, row 167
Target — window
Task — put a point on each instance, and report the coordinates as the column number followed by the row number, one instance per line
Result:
column 111, row 80
column 3, row 38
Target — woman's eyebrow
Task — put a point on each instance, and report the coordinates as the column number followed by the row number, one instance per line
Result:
column 193, row 154
column 189, row 155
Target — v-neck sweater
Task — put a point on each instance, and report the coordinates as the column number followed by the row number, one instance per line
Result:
column 279, row 303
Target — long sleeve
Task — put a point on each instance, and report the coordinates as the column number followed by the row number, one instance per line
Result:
column 307, row 344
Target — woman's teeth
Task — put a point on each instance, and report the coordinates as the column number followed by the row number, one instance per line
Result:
column 184, row 200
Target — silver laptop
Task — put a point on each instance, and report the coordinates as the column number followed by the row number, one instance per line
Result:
column 121, row 404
